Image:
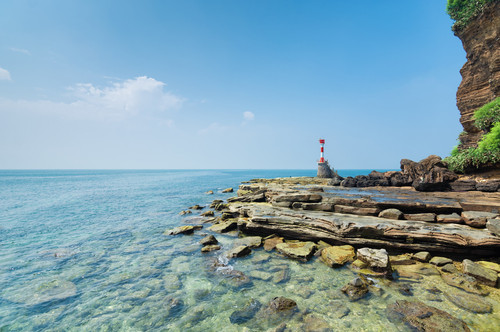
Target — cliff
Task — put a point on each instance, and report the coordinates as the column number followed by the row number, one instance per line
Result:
column 481, row 73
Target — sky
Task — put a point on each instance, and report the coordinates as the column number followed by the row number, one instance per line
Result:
column 222, row 84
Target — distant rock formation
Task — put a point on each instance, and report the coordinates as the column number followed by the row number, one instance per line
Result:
column 324, row 170
column 481, row 73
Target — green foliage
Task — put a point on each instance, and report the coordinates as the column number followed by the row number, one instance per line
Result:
column 462, row 11
column 487, row 115
column 491, row 141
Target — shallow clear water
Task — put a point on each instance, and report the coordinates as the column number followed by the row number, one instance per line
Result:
column 85, row 250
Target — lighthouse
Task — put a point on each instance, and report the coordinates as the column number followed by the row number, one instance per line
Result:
column 324, row 170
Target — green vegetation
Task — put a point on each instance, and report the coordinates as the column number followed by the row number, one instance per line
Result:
column 461, row 11
column 488, row 115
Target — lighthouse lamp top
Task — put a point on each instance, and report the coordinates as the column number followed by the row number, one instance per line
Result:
column 321, row 141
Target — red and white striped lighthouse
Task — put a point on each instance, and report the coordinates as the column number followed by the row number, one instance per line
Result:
column 322, row 142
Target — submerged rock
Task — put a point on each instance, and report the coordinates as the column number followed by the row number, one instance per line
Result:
column 48, row 291
column 470, row 302
column 465, row 282
column 482, row 274
column 183, row 230
column 335, row 256
column 270, row 243
column 356, row 289
column 246, row 313
column 297, row 250
column 422, row 317
column 281, row 303
column 314, row 323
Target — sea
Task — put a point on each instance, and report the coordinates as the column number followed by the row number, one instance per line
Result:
column 86, row 250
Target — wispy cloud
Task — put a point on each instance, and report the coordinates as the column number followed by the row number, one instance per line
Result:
column 213, row 128
column 113, row 102
column 4, row 74
column 248, row 116
column 20, row 50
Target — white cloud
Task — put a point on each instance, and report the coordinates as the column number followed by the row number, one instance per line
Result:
column 213, row 128
column 4, row 74
column 116, row 101
column 248, row 116
column 20, row 50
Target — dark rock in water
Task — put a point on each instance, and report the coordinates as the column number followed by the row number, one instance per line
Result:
column 183, row 230
column 355, row 290
column 314, row 323
column 209, row 239
column 215, row 203
column 246, row 313
column 185, row 212
column 227, row 190
column 208, row 213
column 464, row 282
column 421, row 317
column 239, row 251
column 197, row 207
column 470, row 302
column 336, row 181
column 210, row 247
column 281, row 304
column 210, row 192
column 482, row 274
column 175, row 306
column 348, row 182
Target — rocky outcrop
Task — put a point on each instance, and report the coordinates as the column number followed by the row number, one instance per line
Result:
column 481, row 73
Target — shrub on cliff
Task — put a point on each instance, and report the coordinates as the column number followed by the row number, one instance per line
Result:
column 487, row 115
column 462, row 11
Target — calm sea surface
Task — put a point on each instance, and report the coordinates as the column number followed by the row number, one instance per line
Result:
column 85, row 251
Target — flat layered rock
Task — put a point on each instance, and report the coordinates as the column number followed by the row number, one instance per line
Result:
column 493, row 225
column 297, row 250
column 477, row 219
column 481, row 273
column 470, row 302
column 449, row 218
column 362, row 211
column 250, row 241
column 368, row 231
column 238, row 251
column 336, row 256
column 440, row 261
column 183, row 230
column 428, row 217
column 224, row 227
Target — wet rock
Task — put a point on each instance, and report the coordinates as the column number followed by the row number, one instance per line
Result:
column 210, row 247
column 493, row 225
column 208, row 214
column 470, row 302
column 405, row 289
column 290, row 198
column 464, row 282
column 488, row 185
column 440, row 261
column 449, row 218
column 404, row 259
column 197, row 207
column 224, row 227
column 377, row 259
column 314, row 323
column 449, row 268
column 207, row 240
column 482, row 274
column 183, row 230
column 239, row 251
column 422, row 256
column 250, row 241
column 210, row 192
column 336, row 256
column 182, row 213
column 215, row 203
column 270, row 243
column 227, row 190
column 261, row 275
column 228, row 215
column 356, row 289
column 428, row 217
column 361, row 211
column 246, row 313
column 422, row 317
column 280, row 303
column 477, row 219
column 297, row 250
column 282, row 275
column 359, row 264
column 463, row 185
column 220, row 206
column 47, row 290
column 391, row 214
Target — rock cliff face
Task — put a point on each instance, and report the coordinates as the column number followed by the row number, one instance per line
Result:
column 481, row 73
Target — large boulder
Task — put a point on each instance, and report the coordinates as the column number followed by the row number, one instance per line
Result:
column 429, row 174
column 391, row 214
column 336, row 256
column 377, row 259
column 297, row 250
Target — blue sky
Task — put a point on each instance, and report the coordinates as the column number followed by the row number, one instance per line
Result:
column 226, row 84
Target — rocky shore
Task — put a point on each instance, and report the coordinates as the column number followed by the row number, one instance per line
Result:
column 389, row 236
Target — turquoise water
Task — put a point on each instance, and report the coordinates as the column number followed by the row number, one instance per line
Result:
column 85, row 251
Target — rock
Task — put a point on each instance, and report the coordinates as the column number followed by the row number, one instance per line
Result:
column 429, row 174
column 440, row 261
column 238, row 251
column 314, row 206
column 493, row 225
column 421, row 317
column 280, row 303
column 183, row 230
column 362, row 211
column 359, row 264
column 449, row 218
column 246, row 313
column 355, row 290
column 258, row 197
column 314, row 323
column 228, row 215
column 464, row 282
column 449, row 268
column 482, row 274
column 250, row 241
column 224, row 227
column 324, row 170
column 182, row 213
column 197, row 207
column 490, row 265
column 215, row 202
column 262, row 275
column 210, row 192
column 348, row 182
column 422, row 256
column 336, row 256
column 280, row 328
column 297, row 250
column 282, row 275
column 477, row 219
column 306, row 198
column 210, row 247
column 171, row 282
column 428, row 217
column 377, row 259
column 207, row 240
column 463, row 185
column 208, row 214
column 470, row 302
column 227, row 190
column 391, row 214
column 404, row 289
column 488, row 185
column 220, row 206
column 45, row 291
column 270, row 243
